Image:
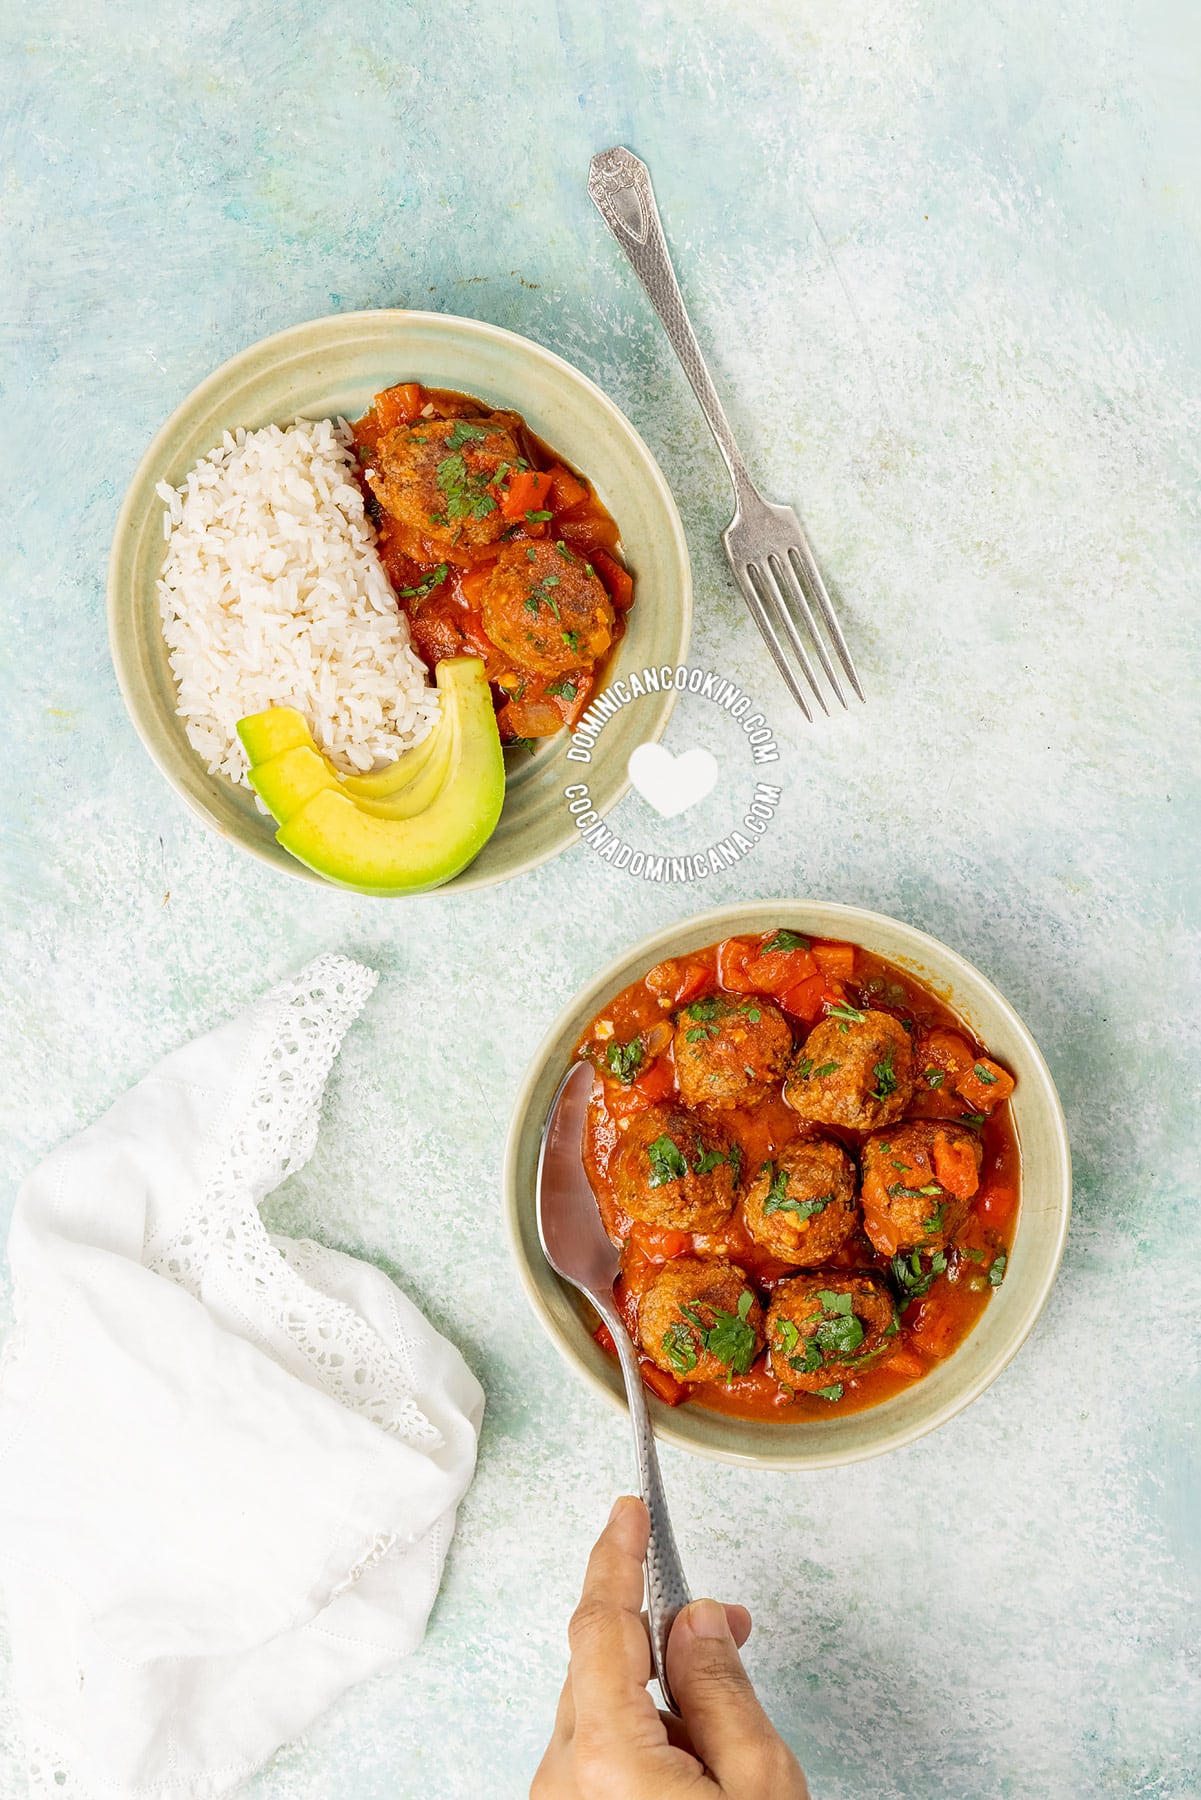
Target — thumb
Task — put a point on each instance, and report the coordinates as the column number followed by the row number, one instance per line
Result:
column 729, row 1729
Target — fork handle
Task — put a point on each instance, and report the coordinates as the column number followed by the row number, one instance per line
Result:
column 666, row 1589
column 620, row 186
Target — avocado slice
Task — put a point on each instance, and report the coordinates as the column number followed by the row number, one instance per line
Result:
column 380, row 784
column 270, row 733
column 333, row 835
column 286, row 782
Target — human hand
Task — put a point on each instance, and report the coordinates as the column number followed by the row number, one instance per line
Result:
column 610, row 1739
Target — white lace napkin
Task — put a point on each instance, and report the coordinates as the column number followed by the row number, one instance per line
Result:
column 229, row 1463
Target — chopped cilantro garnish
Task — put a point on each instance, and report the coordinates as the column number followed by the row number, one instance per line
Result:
column 996, row 1273
column 566, row 690
column 970, row 1119
column 752, row 1013
column 826, row 1069
column 910, row 1276
column 886, row 1080
column 777, row 1199
column 705, row 1009
column 846, row 1016
column 934, row 1222
column 571, row 639
column 462, row 432
column 427, row 584
column 625, row 1060
column 985, row 1075
column 839, row 1336
column 467, row 495
column 700, row 1034
column 788, row 1335
column 898, row 1191
column 679, row 1343
column 730, row 1339
column 666, row 1160
column 785, row 940
column 935, row 1077
column 539, row 517
column 830, row 1393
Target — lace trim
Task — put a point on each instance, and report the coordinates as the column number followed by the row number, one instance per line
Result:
column 222, row 1249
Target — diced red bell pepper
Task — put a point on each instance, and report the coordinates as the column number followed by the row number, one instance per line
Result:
column 984, row 1085
column 604, row 1337
column 528, row 491
column 836, row 960
column 618, row 581
column 474, row 581
column 954, row 1166
column 399, row 405
column 668, row 1389
column 530, row 719
column 733, row 955
column 775, row 971
column 677, row 980
column 588, row 533
column 654, row 1084
column 566, row 489
column 904, row 1362
column 935, row 1332
column 806, row 999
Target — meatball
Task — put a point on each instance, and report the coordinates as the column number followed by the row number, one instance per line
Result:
column 546, row 609
column 700, row 1320
column 730, row 1052
column 918, row 1181
column 672, row 1169
column 434, row 476
column 802, row 1207
column 823, row 1330
column 855, row 1069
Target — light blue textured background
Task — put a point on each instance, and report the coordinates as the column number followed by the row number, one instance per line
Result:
column 946, row 258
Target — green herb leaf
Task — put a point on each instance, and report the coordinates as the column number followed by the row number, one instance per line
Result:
column 777, row 1200
column 427, row 584
column 830, row 1393
column 970, row 1119
column 996, row 1273
column 566, row 690
column 462, row 432
column 826, row 1069
column 840, row 1336
column 666, row 1160
column 730, row 1339
column 984, row 1075
column 934, row 1222
column 752, row 1013
column 898, row 1191
column 807, row 1360
column 571, row 639
column 539, row 517
column 679, row 1343
column 886, row 1080
column 804, row 1068
column 705, row 1009
column 832, row 1302
column 625, row 1060
column 935, row 1077
column 788, row 1335
column 466, row 492
column 846, row 1016
column 785, row 940
column 912, row 1278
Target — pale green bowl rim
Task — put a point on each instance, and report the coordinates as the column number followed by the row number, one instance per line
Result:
column 140, row 495
column 881, row 1428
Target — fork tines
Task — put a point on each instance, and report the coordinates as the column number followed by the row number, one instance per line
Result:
column 779, row 578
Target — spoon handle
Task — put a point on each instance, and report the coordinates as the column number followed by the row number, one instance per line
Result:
column 666, row 1589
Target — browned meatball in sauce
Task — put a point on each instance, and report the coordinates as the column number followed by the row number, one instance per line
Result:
column 699, row 1319
column 855, row 1069
column 801, row 1207
column 434, row 476
column 671, row 1168
column 545, row 609
column 730, row 1052
column 822, row 1331
column 918, row 1182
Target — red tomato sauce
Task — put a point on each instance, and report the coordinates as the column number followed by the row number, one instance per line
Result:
column 445, row 619
column 932, row 1325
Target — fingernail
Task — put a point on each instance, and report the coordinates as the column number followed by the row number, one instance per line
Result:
column 707, row 1619
column 621, row 1500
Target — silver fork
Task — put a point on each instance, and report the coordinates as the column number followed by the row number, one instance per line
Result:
column 768, row 551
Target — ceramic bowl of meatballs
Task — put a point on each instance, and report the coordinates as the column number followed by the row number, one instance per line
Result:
column 366, row 582
column 835, row 1166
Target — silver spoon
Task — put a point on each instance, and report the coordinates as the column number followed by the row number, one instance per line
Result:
column 578, row 1248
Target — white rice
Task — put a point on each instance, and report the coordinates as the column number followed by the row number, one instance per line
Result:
column 272, row 594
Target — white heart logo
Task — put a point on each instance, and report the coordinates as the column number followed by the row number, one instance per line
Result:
column 671, row 784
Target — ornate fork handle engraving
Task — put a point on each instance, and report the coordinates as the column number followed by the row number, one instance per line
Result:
column 620, row 186
column 666, row 1588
